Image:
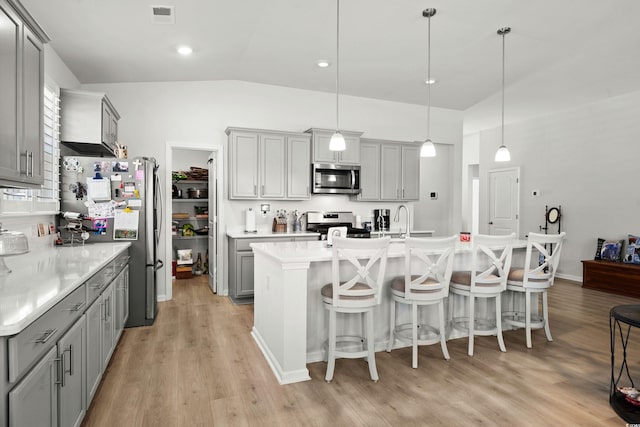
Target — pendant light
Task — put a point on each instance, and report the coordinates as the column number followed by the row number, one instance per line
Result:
column 502, row 155
column 428, row 149
column 337, row 140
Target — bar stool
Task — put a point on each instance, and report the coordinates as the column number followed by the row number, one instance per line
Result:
column 360, row 294
column 428, row 264
column 534, row 280
column 487, row 279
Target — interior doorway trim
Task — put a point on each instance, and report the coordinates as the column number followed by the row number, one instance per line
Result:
column 168, row 252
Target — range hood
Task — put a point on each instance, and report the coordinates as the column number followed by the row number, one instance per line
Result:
column 95, row 149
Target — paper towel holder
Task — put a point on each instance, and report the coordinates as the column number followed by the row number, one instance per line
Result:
column 250, row 222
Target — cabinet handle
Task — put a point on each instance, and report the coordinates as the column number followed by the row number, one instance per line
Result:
column 31, row 155
column 76, row 307
column 60, row 370
column 45, row 336
column 403, row 193
column 70, row 350
column 262, row 190
column 255, row 189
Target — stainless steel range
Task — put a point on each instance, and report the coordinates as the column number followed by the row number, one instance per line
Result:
column 320, row 222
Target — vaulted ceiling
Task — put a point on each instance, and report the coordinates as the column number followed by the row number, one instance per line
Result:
column 559, row 51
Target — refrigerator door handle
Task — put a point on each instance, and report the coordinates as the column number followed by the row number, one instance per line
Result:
column 160, row 205
column 158, row 265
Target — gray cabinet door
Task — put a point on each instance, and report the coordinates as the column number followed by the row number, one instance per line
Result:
column 369, row 171
column 243, row 165
column 32, row 108
column 410, row 172
column 321, row 152
column 9, row 70
column 94, row 347
column 351, row 154
column 272, row 166
column 389, row 172
column 72, row 394
column 298, row 168
column 108, row 323
column 244, row 274
column 34, row 401
column 122, row 300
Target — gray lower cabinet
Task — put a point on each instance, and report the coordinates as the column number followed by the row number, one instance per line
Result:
column 51, row 369
column 241, row 263
column 71, row 375
column 100, row 338
column 122, row 301
column 34, row 401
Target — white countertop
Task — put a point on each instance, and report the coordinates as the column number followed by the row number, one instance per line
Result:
column 41, row 279
column 265, row 233
column 292, row 252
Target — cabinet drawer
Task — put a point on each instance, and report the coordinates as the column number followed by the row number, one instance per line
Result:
column 29, row 345
column 99, row 281
column 120, row 261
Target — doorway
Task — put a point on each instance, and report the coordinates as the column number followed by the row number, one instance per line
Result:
column 504, row 201
column 195, row 229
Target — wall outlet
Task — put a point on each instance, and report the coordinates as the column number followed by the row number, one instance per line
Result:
column 433, row 195
column 535, row 193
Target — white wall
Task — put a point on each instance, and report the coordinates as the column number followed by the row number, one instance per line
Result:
column 57, row 73
column 583, row 159
column 153, row 113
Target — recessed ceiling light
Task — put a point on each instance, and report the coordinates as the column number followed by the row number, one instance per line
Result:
column 184, row 50
column 323, row 63
column 429, row 82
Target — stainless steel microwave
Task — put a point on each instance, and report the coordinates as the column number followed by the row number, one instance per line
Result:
column 335, row 179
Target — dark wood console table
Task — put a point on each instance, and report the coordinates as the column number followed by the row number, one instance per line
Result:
column 614, row 277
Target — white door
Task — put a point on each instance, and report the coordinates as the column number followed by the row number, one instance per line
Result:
column 213, row 221
column 504, row 201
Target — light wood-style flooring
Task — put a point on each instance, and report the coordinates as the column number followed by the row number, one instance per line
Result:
column 199, row 366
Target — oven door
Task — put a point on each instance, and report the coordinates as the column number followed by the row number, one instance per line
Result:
column 335, row 179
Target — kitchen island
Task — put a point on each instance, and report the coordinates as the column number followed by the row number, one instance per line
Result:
column 289, row 324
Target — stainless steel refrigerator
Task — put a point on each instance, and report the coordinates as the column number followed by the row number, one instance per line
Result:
column 104, row 189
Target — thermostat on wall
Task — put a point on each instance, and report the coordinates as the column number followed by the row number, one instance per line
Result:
column 433, row 195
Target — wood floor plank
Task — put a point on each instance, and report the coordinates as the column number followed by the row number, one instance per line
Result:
column 198, row 365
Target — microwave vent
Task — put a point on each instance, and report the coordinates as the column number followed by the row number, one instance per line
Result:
column 163, row 14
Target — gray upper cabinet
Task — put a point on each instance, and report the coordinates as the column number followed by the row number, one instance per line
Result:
column 88, row 122
column 322, row 154
column 298, row 167
column 369, row 170
column 390, row 171
column 21, row 103
column 268, row 164
column 273, row 172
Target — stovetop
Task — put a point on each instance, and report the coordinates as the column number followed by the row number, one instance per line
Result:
column 320, row 222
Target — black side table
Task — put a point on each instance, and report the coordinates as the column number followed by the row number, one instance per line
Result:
column 622, row 318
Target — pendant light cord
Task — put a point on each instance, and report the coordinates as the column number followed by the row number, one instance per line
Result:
column 337, row 63
column 429, row 77
column 503, row 60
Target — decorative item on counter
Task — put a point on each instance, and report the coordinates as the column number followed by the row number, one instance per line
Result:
column 297, row 225
column 250, row 221
column 280, row 221
column 11, row 243
column 465, row 237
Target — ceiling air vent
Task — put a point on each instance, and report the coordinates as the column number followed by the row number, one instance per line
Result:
column 163, row 14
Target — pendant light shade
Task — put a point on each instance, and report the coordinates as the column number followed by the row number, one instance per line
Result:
column 428, row 149
column 503, row 155
column 337, row 140
column 336, row 143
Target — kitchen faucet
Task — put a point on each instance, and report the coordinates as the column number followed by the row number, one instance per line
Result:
column 396, row 218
